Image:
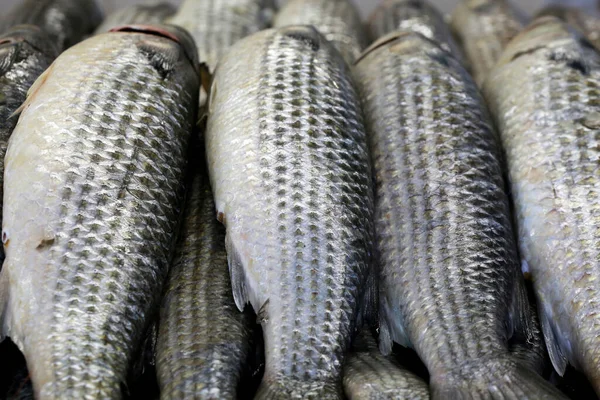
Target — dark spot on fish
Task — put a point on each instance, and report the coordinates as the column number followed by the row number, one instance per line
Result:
column 526, row 52
column 586, row 44
column 262, row 315
column 579, row 66
column 573, row 63
column 45, row 243
column 440, row 58
column 305, row 34
column 221, row 217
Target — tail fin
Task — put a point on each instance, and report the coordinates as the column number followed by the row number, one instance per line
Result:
column 502, row 378
column 285, row 388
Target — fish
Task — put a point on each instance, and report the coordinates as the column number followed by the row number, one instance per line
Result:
column 338, row 20
column 218, row 24
column 93, row 187
column 413, row 16
column 483, row 28
column 66, row 22
column 586, row 22
column 449, row 278
column 25, row 53
column 154, row 13
column 203, row 341
column 370, row 375
column 289, row 166
column 544, row 97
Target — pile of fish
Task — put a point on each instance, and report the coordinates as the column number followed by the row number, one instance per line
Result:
column 234, row 200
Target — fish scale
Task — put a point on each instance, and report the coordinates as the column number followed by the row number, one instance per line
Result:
column 102, row 209
column 450, row 284
column 554, row 185
column 299, row 239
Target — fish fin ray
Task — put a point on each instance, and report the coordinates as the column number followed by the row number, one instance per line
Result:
column 369, row 310
column 385, row 339
column 556, row 353
column 236, row 271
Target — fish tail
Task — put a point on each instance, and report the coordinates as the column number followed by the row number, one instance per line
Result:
column 286, row 388
column 502, row 378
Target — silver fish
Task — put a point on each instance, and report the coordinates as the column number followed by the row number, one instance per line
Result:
column 484, row 28
column 413, row 16
column 203, row 339
column 545, row 96
column 450, row 282
column 137, row 14
column 65, row 21
column 290, row 171
column 25, row 52
column 94, row 177
column 337, row 20
column 217, row 24
column 369, row 375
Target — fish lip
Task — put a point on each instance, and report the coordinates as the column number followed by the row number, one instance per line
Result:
column 171, row 32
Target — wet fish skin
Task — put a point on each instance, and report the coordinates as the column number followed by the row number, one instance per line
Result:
column 137, row 14
column 289, row 167
column 337, row 20
column 204, row 340
column 586, row 22
column 545, row 86
column 25, row 52
column 94, row 177
column 413, row 16
column 369, row 375
column 217, row 24
column 65, row 21
column 483, row 28
column 450, row 283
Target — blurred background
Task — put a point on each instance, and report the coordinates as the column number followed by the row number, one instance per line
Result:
column 365, row 5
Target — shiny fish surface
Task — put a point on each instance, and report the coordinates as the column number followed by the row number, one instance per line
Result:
column 217, row 24
column 450, row 282
column 203, row 339
column 65, row 21
column 413, row 16
column 25, row 52
column 137, row 14
column 545, row 96
column 94, row 177
column 369, row 375
column 290, row 171
column 484, row 28
column 586, row 22
column 337, row 20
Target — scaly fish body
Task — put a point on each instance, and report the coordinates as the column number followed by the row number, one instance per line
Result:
column 289, row 167
column 545, row 96
column 217, row 24
column 450, row 283
column 585, row 21
column 484, row 28
column 137, row 14
column 413, row 16
column 369, row 375
column 337, row 20
column 93, row 184
column 25, row 52
column 65, row 21
column 203, row 339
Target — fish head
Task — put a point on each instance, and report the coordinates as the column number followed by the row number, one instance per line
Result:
column 20, row 42
column 164, row 45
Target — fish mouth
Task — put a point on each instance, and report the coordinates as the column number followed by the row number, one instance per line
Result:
column 147, row 29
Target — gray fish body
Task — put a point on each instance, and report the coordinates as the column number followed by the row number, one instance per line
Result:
column 337, row 20
column 25, row 52
column 137, row 14
column 93, row 184
column 544, row 94
column 413, row 16
column 203, row 339
column 449, row 278
column 369, row 375
column 290, row 170
column 483, row 28
column 217, row 24
column 65, row 21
